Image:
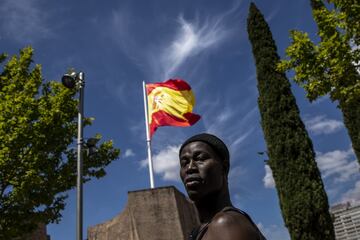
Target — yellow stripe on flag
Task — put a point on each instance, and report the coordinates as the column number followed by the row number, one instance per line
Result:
column 174, row 102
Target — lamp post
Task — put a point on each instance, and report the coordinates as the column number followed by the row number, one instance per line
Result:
column 71, row 80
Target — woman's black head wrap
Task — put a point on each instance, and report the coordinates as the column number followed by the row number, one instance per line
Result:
column 216, row 143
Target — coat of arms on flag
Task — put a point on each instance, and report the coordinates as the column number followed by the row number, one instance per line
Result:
column 170, row 103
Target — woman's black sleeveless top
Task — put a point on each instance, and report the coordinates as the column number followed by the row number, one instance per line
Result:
column 199, row 232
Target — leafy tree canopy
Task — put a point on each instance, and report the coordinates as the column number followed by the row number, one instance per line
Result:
column 38, row 128
column 330, row 66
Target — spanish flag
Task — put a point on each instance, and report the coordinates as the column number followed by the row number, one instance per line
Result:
column 170, row 103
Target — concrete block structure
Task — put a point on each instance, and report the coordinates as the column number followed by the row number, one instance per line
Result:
column 153, row 214
column 346, row 221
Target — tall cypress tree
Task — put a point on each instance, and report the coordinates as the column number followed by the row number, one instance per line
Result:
column 303, row 200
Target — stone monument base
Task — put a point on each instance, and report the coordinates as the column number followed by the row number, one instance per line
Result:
column 153, row 214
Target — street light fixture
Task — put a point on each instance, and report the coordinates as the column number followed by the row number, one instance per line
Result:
column 90, row 146
column 71, row 80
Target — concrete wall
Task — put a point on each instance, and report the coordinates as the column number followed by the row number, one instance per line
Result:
column 151, row 214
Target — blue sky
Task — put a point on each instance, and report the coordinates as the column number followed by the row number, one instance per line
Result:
column 119, row 44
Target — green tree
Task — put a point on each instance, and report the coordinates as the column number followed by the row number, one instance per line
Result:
column 332, row 65
column 38, row 126
column 302, row 197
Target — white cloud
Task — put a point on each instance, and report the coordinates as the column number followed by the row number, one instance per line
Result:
column 122, row 28
column 221, row 123
column 353, row 195
column 166, row 163
column 191, row 39
column 23, row 20
column 219, row 116
column 272, row 14
column 235, row 173
column 322, row 125
column 242, row 137
column 268, row 179
column 321, row 99
column 129, row 153
column 341, row 165
column 163, row 56
column 216, row 123
column 274, row 232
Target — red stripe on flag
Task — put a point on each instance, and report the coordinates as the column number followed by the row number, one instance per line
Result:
column 175, row 84
column 162, row 118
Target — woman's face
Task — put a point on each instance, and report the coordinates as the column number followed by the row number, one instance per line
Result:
column 201, row 170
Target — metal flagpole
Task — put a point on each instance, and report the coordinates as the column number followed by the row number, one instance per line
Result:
column 148, row 140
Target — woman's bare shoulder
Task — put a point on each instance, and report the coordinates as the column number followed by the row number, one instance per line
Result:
column 231, row 225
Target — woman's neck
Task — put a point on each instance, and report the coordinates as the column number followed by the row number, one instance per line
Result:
column 212, row 204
